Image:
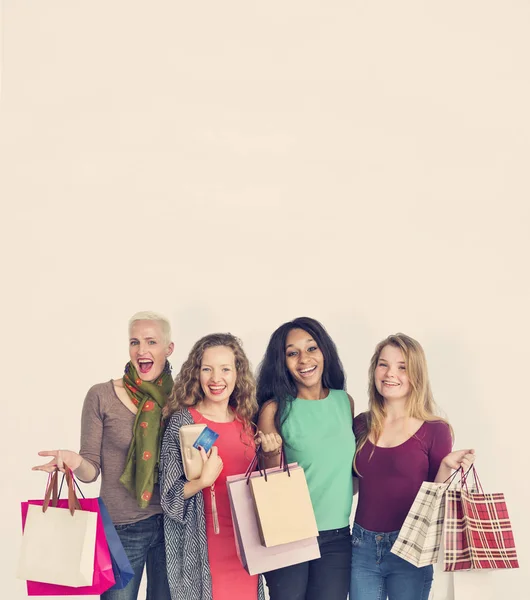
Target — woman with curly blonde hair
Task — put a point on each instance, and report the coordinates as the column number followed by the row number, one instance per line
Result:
column 216, row 387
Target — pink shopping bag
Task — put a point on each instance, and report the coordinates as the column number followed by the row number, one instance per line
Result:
column 103, row 578
column 254, row 556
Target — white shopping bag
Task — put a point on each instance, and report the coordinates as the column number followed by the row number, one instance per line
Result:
column 58, row 546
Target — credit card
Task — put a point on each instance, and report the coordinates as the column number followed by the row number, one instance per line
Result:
column 206, row 439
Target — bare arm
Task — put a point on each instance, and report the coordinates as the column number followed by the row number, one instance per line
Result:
column 192, row 487
column 269, row 436
column 212, row 467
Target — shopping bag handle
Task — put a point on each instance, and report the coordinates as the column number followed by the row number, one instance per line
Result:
column 51, row 491
column 284, row 463
column 253, row 463
column 452, row 477
column 75, row 483
column 464, row 477
column 52, row 494
column 257, row 463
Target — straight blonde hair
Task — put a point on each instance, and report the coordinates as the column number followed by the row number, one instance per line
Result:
column 420, row 403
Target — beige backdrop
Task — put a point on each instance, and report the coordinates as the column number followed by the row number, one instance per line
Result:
column 237, row 164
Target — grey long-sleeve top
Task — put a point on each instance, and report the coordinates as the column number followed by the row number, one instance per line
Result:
column 106, row 434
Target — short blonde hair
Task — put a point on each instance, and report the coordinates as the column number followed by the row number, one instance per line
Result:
column 147, row 315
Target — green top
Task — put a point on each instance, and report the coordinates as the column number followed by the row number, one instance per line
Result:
column 318, row 436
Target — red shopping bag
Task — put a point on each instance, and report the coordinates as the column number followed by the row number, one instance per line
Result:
column 477, row 530
column 103, row 577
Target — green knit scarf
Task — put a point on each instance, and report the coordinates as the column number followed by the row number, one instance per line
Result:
column 150, row 397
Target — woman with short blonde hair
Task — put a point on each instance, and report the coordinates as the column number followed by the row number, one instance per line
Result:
column 121, row 432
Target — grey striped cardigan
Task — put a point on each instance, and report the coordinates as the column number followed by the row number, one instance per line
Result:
column 188, row 569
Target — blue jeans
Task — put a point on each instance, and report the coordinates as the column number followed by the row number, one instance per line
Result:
column 143, row 543
column 377, row 574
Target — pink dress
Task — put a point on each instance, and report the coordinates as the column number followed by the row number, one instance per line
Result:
column 230, row 581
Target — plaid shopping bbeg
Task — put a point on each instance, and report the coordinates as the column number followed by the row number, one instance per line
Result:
column 420, row 536
column 457, row 554
column 477, row 532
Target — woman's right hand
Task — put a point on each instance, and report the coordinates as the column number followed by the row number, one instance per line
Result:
column 59, row 457
column 270, row 443
column 212, row 467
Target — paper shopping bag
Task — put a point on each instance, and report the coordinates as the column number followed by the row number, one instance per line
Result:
column 283, row 507
column 421, row 533
column 121, row 567
column 101, row 576
column 254, row 556
column 58, row 547
column 477, row 530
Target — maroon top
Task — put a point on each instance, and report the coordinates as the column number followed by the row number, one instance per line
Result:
column 391, row 478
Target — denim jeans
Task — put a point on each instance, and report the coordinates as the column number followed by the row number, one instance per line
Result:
column 325, row 578
column 143, row 543
column 377, row 574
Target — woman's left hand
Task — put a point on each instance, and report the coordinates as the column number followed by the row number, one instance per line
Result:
column 459, row 458
column 270, row 442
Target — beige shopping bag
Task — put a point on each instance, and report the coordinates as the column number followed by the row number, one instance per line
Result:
column 283, row 507
column 254, row 556
column 58, row 546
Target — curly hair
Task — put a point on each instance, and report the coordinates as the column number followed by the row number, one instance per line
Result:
column 187, row 390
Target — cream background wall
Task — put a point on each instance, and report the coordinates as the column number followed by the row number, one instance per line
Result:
column 237, row 164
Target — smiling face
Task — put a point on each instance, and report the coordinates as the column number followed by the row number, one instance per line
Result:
column 304, row 359
column 218, row 374
column 148, row 348
column 391, row 379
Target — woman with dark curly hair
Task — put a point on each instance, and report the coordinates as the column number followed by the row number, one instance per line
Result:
column 215, row 386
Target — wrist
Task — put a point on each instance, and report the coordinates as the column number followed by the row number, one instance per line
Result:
column 446, row 464
column 77, row 462
column 202, row 483
column 272, row 453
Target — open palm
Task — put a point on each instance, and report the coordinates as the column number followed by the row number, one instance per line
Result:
column 58, row 460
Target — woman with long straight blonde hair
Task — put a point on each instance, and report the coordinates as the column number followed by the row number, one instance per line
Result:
column 401, row 443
